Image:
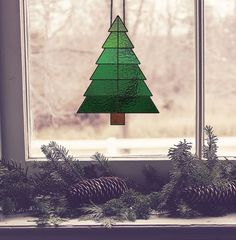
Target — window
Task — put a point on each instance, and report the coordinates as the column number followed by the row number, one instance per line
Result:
column 59, row 57
column 65, row 40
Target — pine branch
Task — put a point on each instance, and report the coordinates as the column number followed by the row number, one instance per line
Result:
column 221, row 171
column 50, row 210
column 103, row 164
column 187, row 171
column 153, row 182
column 210, row 148
column 48, row 183
column 64, row 164
column 181, row 153
column 16, row 189
column 93, row 211
column 11, row 165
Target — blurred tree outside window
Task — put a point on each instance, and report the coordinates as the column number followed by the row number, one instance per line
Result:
column 65, row 40
column 220, row 70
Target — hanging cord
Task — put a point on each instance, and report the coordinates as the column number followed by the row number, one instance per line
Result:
column 124, row 11
column 111, row 12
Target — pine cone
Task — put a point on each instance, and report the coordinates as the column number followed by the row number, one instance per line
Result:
column 211, row 194
column 96, row 190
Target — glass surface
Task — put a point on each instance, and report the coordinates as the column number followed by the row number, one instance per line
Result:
column 118, row 105
column 66, row 39
column 122, row 96
column 123, row 56
column 118, row 40
column 221, row 71
column 126, row 88
column 125, row 72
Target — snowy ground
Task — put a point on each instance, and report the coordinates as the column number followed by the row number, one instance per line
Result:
column 152, row 147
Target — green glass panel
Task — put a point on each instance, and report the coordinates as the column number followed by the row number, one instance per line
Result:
column 108, row 56
column 105, row 72
column 118, row 40
column 112, row 104
column 108, row 72
column 120, row 56
column 137, row 105
column 130, row 72
column 118, row 26
column 120, row 88
column 127, row 56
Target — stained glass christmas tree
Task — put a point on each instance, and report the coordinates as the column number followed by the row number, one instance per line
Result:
column 118, row 84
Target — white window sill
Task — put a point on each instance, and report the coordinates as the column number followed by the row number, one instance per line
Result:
column 228, row 220
column 220, row 228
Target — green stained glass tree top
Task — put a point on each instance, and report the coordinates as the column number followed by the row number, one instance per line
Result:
column 118, row 26
column 118, row 40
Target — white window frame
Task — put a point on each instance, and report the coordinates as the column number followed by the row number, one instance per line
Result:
column 13, row 91
column 12, row 88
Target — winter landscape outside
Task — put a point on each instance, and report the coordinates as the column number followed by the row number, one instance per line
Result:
column 65, row 40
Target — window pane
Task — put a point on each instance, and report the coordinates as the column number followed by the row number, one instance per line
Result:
column 66, row 39
column 221, row 72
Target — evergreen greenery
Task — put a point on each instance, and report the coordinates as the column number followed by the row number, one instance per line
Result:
column 130, row 206
column 50, row 210
column 153, row 182
column 188, row 171
column 45, row 194
column 16, row 190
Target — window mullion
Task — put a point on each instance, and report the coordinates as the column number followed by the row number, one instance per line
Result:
column 200, row 74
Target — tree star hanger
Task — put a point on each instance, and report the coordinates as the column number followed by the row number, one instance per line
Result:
column 118, row 85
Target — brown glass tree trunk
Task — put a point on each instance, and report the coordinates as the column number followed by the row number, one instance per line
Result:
column 117, row 119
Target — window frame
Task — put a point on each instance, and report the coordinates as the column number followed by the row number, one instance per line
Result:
column 13, row 98
column 14, row 87
column 14, row 136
